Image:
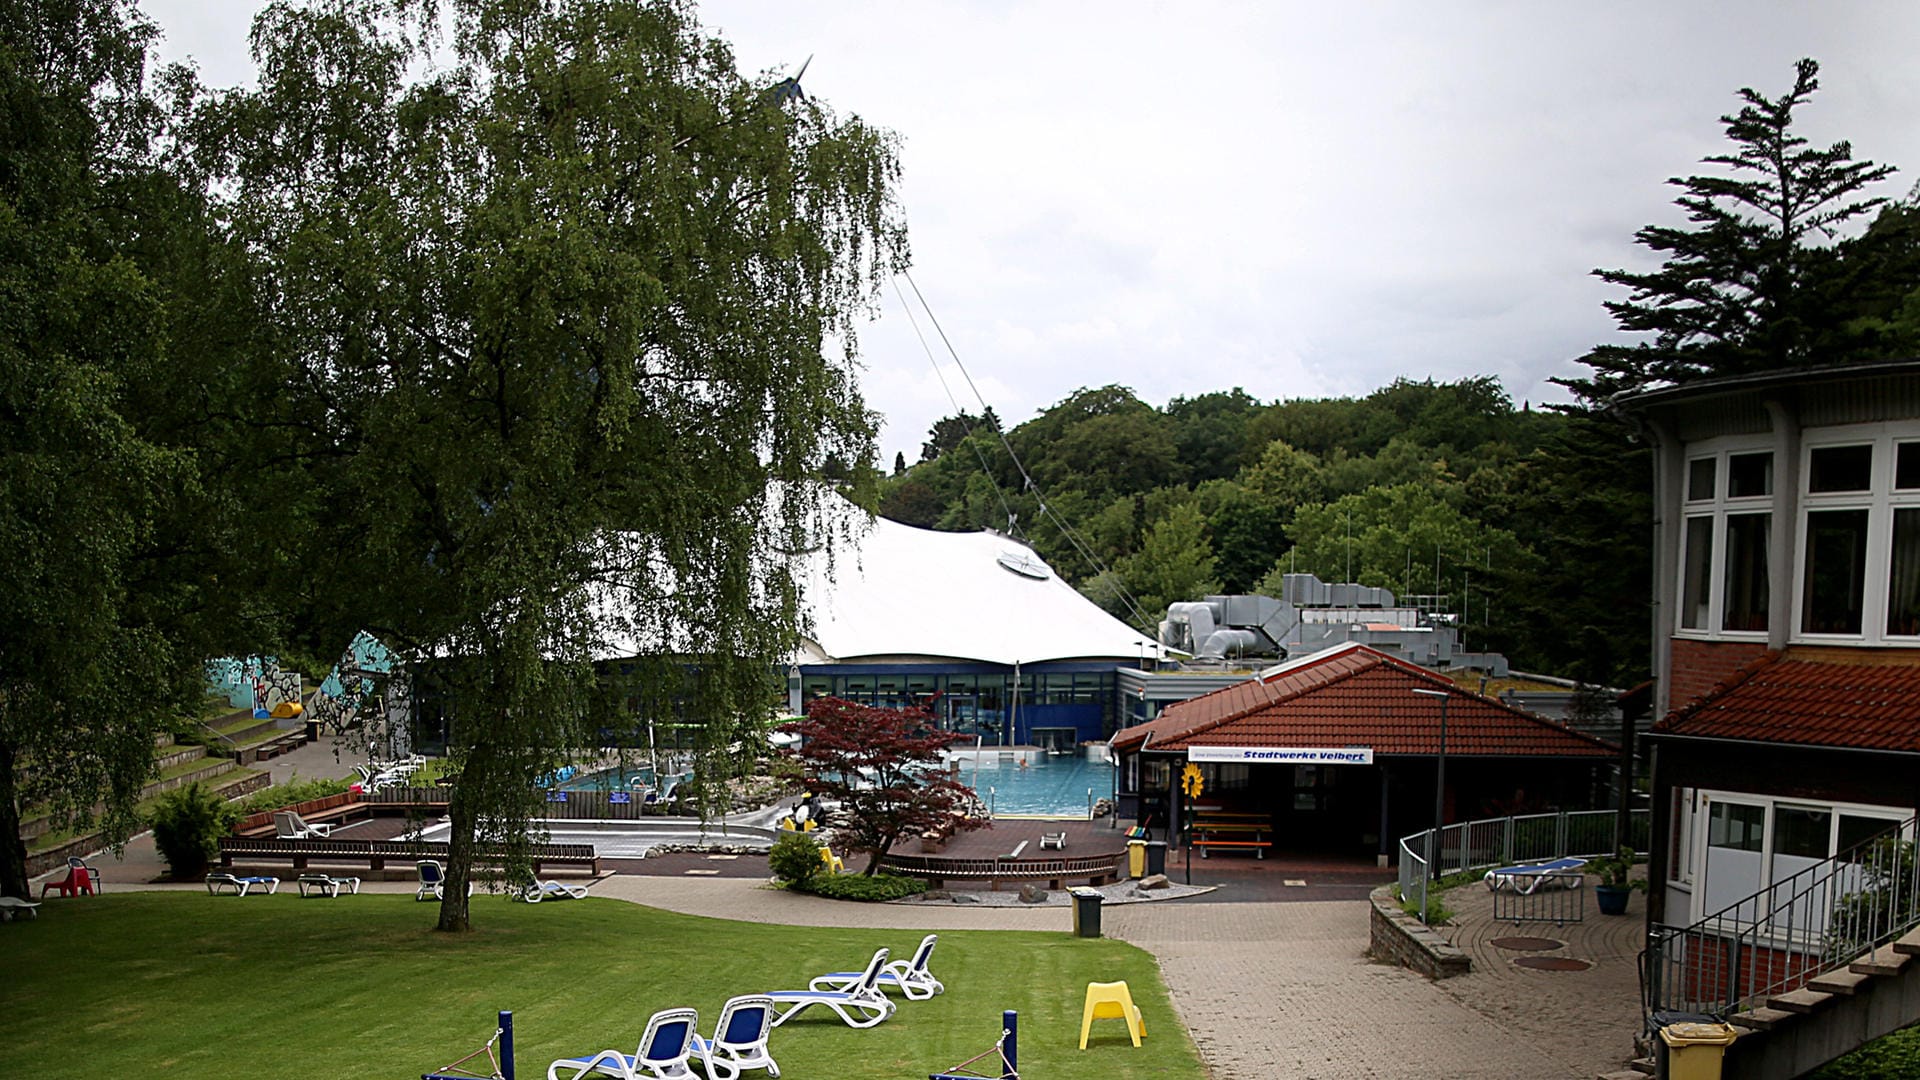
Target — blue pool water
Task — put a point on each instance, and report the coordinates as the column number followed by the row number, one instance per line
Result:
column 1050, row 785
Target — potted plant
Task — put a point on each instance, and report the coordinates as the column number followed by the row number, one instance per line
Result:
column 1615, row 881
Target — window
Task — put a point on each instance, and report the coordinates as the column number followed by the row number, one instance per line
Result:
column 1697, row 595
column 1840, row 468
column 1745, row 589
column 1726, row 545
column 1836, row 569
column 1700, row 479
column 1802, row 831
column 1736, row 826
column 1749, row 476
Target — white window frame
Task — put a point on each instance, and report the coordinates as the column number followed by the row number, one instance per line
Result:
column 1880, row 500
column 1696, row 843
column 1719, row 507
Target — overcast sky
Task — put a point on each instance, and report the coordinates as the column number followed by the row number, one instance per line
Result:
column 1300, row 199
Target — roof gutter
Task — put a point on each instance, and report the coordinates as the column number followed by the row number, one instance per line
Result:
column 1667, row 736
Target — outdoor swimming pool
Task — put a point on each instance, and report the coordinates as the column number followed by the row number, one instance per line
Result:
column 1049, row 785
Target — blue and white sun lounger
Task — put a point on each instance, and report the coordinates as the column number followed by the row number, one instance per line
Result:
column 240, row 885
column 1532, row 877
column 911, row 977
column 739, row 1040
column 663, row 1052
column 551, row 890
column 862, row 997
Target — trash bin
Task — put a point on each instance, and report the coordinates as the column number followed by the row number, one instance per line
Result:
column 1694, row 1049
column 1136, row 858
column 1086, row 912
column 1156, row 857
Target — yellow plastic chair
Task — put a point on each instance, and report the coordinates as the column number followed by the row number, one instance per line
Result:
column 832, row 861
column 1113, row 1001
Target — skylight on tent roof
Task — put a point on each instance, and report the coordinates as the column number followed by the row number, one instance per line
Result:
column 1025, row 563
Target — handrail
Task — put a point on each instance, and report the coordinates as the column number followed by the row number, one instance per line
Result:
column 1794, row 930
column 1523, row 838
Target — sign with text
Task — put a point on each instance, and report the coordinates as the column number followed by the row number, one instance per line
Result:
column 1282, row 755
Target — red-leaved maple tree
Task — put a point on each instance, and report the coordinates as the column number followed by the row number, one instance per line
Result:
column 883, row 767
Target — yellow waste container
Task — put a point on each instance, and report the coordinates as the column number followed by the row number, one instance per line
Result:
column 1694, row 1050
column 1136, row 859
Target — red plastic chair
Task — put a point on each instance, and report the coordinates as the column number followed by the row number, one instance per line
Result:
column 77, row 882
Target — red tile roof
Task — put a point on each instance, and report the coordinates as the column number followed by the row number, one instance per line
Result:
column 1356, row 696
column 1864, row 699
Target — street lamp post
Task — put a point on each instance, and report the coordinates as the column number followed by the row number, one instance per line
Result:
column 1439, row 803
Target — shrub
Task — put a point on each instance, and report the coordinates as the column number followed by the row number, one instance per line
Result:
column 291, row 794
column 795, row 859
column 187, row 825
column 876, row 889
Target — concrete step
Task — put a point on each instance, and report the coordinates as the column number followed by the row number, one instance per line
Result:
column 1909, row 945
column 1838, row 982
column 1761, row 1019
column 1884, row 961
column 1802, row 1001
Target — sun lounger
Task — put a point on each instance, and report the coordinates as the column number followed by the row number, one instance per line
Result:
column 861, row 1003
column 1530, row 878
column 910, row 976
column 13, row 905
column 664, row 1049
column 551, row 890
column 739, row 1040
column 327, row 885
column 240, row 885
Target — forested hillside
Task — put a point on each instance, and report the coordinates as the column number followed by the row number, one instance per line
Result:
column 1534, row 524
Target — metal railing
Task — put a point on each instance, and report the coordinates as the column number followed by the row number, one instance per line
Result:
column 1793, row 931
column 1495, row 842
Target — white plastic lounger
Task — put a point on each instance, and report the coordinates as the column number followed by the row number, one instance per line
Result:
column 663, row 1052
column 239, row 885
column 327, row 885
column 551, row 890
column 739, row 1040
column 861, row 1003
column 910, row 976
column 1532, row 877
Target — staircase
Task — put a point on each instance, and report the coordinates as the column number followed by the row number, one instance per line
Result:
column 176, row 766
column 1809, row 969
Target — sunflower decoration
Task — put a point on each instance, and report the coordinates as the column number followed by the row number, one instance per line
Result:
column 1191, row 781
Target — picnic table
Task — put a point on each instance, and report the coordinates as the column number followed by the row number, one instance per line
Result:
column 1233, row 830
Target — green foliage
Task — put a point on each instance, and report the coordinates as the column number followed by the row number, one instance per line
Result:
column 1175, row 563
column 1894, row 1055
column 875, row 888
column 188, row 823
column 1408, row 538
column 290, row 794
column 1436, row 911
column 1884, row 901
column 568, row 325
column 795, row 858
column 1616, row 869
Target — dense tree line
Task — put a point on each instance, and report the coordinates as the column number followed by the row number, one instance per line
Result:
column 1423, row 487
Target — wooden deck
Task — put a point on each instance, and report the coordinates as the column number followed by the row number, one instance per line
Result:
column 1010, row 851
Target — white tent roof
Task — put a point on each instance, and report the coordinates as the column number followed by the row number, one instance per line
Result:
column 898, row 592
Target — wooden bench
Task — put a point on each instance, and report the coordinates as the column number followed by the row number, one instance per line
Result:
column 1259, row 846
column 375, row 853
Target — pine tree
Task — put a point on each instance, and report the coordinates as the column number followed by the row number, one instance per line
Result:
column 1739, row 288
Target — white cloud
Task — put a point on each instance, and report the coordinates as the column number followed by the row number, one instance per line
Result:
column 1297, row 198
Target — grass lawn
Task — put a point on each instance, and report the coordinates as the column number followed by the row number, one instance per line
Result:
column 275, row 986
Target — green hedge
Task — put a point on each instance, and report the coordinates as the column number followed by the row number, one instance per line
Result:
column 876, row 889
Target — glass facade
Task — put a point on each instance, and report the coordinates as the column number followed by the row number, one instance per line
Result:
column 1057, row 705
